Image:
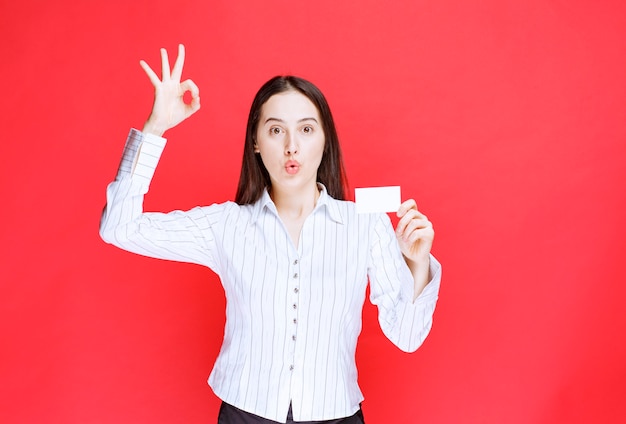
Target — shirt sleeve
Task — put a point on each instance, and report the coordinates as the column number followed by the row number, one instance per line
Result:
column 184, row 236
column 405, row 322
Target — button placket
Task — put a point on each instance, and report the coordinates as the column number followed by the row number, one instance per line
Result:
column 295, row 283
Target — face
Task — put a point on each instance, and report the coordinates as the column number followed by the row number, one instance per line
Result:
column 290, row 140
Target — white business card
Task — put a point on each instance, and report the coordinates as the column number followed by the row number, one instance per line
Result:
column 377, row 199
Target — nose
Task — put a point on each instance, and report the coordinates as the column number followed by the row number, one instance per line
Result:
column 291, row 146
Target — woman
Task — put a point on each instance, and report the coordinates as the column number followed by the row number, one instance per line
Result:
column 294, row 258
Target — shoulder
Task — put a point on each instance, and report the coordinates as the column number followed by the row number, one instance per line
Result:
column 220, row 212
column 346, row 211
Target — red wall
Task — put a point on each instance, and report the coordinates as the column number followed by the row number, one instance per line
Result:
column 504, row 119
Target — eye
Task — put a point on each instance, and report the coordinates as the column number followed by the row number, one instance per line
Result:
column 307, row 130
column 275, row 130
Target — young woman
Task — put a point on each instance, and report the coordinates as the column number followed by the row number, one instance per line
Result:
column 294, row 258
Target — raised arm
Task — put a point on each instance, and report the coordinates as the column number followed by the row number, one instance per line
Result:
column 169, row 108
column 182, row 236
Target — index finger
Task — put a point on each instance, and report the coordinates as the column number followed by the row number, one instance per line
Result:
column 406, row 206
column 177, row 71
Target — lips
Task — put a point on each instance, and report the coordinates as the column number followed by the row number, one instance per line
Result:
column 292, row 167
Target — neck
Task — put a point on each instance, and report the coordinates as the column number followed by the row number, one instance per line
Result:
column 295, row 202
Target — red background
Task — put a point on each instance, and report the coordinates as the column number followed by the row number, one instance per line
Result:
column 504, row 119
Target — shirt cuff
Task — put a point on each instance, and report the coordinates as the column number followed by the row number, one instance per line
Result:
column 432, row 288
column 141, row 155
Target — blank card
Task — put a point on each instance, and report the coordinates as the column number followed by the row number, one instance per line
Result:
column 377, row 199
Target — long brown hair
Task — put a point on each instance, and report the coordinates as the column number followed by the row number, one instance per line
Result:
column 254, row 177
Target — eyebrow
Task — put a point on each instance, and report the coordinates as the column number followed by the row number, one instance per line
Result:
column 282, row 121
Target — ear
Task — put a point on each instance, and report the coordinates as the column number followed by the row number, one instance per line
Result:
column 256, row 148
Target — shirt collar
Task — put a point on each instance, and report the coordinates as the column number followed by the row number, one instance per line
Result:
column 325, row 200
column 332, row 205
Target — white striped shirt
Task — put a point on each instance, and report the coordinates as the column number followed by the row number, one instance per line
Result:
column 293, row 313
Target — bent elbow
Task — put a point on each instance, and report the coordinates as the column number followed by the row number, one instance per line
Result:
column 105, row 235
column 411, row 341
column 106, row 230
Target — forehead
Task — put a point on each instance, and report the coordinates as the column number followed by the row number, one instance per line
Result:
column 289, row 106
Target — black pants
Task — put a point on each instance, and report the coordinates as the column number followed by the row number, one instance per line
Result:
column 231, row 415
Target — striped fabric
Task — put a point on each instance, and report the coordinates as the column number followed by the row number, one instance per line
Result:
column 293, row 313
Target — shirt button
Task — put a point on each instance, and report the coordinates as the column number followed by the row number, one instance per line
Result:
column 290, row 367
column 296, row 290
column 295, row 306
column 295, row 262
column 295, row 321
column 293, row 337
column 295, row 275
